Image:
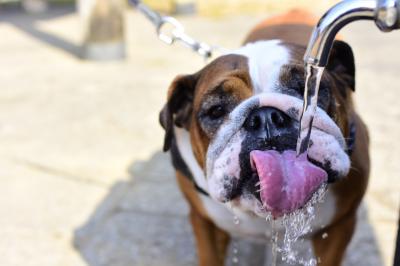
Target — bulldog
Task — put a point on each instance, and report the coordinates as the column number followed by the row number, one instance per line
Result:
column 232, row 127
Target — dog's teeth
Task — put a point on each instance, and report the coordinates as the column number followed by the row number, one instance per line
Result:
column 258, row 183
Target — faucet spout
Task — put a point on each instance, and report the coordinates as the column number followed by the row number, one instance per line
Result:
column 386, row 14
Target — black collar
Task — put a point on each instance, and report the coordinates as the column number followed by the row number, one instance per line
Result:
column 199, row 189
column 351, row 139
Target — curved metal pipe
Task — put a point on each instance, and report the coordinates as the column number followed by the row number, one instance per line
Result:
column 331, row 22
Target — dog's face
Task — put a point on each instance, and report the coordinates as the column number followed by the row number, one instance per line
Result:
column 244, row 108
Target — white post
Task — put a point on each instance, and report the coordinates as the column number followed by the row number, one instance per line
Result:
column 103, row 29
column 34, row 6
column 185, row 6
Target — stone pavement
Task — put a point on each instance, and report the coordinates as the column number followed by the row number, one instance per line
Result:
column 82, row 178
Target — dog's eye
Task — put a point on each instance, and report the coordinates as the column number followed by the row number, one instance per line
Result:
column 215, row 112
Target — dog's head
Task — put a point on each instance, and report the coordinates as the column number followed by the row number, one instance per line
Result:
column 242, row 114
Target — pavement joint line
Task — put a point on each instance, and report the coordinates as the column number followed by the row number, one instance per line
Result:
column 120, row 210
column 62, row 174
column 153, row 180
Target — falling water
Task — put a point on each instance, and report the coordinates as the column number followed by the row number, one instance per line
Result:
column 313, row 79
column 274, row 240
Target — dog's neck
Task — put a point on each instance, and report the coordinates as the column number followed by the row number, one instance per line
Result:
column 184, row 146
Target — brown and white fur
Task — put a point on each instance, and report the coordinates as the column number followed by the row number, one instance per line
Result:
column 204, row 120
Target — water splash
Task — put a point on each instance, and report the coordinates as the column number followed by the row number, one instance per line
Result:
column 296, row 225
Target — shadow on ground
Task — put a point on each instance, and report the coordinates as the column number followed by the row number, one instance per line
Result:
column 143, row 222
column 27, row 23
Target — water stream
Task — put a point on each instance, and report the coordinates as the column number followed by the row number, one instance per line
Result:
column 311, row 90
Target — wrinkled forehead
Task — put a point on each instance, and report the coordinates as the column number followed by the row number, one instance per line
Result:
column 261, row 65
column 218, row 72
column 265, row 61
column 223, row 67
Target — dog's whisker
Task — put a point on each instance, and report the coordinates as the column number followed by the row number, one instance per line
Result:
column 260, row 190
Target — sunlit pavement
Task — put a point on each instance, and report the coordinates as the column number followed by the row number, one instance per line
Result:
column 82, row 178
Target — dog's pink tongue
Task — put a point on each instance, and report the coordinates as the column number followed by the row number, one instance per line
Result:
column 287, row 181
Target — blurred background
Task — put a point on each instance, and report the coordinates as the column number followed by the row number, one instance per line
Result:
column 83, row 180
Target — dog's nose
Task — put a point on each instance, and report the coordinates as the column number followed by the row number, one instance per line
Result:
column 268, row 122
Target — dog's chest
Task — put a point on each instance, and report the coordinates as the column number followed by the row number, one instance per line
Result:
column 255, row 228
column 238, row 224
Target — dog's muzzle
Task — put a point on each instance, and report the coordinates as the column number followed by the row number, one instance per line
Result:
column 252, row 154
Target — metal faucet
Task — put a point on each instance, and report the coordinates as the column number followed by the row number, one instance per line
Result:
column 385, row 13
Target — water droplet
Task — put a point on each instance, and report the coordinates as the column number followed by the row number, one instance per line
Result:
column 235, row 260
column 311, row 262
column 236, row 220
column 235, row 252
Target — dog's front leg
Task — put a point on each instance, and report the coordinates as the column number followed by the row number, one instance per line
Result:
column 330, row 250
column 211, row 241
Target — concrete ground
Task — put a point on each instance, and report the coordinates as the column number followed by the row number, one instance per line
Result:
column 82, row 178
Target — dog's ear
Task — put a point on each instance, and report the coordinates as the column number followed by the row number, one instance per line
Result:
column 341, row 63
column 178, row 109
